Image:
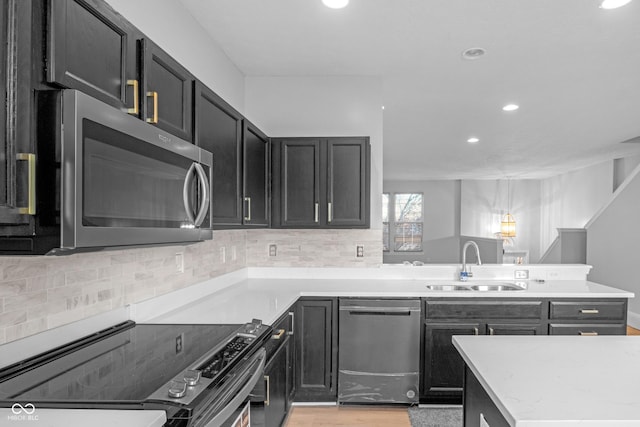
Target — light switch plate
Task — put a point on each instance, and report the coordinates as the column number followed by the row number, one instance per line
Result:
column 522, row 274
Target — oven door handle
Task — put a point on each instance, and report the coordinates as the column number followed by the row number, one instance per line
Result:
column 242, row 394
column 188, row 180
column 204, row 190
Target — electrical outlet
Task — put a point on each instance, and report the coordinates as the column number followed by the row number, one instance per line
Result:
column 273, row 249
column 359, row 251
column 223, row 254
column 522, row 274
column 179, row 343
column 180, row 262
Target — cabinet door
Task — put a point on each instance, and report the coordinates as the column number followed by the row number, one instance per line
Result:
column 167, row 88
column 514, row 329
column 443, row 366
column 316, row 350
column 218, row 129
column 92, row 49
column 256, row 176
column 5, row 164
column 299, row 183
column 275, row 373
column 347, row 182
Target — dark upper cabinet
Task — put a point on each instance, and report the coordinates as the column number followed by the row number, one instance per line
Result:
column 218, row 129
column 348, row 182
column 167, row 89
column 321, row 182
column 4, row 165
column 93, row 49
column 256, row 176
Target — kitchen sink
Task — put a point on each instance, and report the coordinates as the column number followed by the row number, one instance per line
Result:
column 448, row 288
column 481, row 287
column 497, row 287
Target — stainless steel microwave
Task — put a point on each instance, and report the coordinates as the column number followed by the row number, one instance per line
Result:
column 125, row 182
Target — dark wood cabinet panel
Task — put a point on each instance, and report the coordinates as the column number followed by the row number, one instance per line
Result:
column 299, row 182
column 321, row 182
column 5, row 174
column 514, row 329
column 316, row 350
column 443, row 367
column 588, row 310
column 483, row 309
column 347, row 183
column 588, row 329
column 477, row 402
column 218, row 129
column 167, row 90
column 256, row 176
column 92, row 49
column 276, row 403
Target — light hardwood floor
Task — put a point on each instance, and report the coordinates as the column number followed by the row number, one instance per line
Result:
column 314, row 416
column 632, row 331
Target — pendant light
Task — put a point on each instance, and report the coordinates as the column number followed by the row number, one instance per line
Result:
column 508, row 224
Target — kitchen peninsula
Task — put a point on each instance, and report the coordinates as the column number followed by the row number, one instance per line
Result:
column 550, row 381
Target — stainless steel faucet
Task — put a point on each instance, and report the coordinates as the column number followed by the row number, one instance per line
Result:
column 464, row 274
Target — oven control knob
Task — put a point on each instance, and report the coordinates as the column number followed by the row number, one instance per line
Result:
column 177, row 389
column 192, row 378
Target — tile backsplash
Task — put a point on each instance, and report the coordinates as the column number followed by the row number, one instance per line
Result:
column 39, row 293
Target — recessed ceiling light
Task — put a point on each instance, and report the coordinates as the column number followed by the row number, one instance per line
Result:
column 335, row 4
column 613, row 4
column 473, row 53
column 510, row 107
column 473, row 140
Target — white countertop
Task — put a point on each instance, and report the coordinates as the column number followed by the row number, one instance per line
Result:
column 268, row 298
column 81, row 417
column 548, row 381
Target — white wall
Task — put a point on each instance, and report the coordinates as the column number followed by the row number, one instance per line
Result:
column 322, row 106
column 570, row 200
column 484, row 203
column 612, row 244
column 175, row 30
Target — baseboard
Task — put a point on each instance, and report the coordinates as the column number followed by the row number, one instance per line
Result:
column 633, row 319
column 314, row 403
column 439, row 406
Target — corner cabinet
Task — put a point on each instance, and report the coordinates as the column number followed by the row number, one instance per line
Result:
column 316, row 350
column 321, row 182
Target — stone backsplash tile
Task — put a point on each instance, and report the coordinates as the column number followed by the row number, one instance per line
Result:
column 40, row 293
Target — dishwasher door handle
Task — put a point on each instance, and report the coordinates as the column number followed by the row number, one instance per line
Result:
column 380, row 311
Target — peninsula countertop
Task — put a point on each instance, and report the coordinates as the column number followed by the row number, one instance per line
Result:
column 547, row 381
column 267, row 298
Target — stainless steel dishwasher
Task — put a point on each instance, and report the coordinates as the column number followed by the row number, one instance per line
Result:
column 379, row 351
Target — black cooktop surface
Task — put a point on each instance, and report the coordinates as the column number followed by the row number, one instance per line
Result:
column 127, row 366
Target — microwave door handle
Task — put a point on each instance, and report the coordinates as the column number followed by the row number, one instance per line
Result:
column 204, row 188
column 188, row 180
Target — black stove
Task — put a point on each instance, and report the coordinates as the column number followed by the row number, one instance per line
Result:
column 184, row 369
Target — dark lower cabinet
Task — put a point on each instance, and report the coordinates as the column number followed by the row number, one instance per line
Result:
column 443, row 367
column 316, row 343
column 514, row 329
column 167, row 89
column 478, row 405
column 275, row 376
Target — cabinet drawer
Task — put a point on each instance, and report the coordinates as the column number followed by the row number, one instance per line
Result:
column 587, row 329
column 467, row 309
column 282, row 328
column 581, row 310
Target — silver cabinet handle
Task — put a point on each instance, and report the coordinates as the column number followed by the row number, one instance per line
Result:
column 589, row 311
column 266, row 378
column 329, row 212
column 248, row 216
column 476, row 331
column 291, row 314
column 204, row 188
column 316, row 213
column 188, row 180
column 588, row 334
column 491, row 331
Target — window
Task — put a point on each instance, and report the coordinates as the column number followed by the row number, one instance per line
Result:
column 406, row 233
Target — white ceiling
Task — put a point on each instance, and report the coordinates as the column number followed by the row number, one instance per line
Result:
column 573, row 68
